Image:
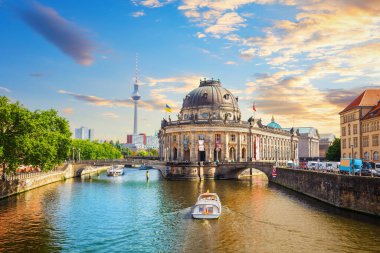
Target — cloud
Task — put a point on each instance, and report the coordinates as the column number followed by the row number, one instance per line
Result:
column 65, row 35
column 138, row 14
column 111, row 115
column 225, row 24
column 230, row 63
column 153, row 3
column 200, row 35
column 68, row 110
column 5, row 89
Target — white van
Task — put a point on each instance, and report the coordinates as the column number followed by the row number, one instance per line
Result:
column 311, row 165
column 332, row 166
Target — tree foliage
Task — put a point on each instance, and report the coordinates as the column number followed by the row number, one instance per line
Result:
column 333, row 153
column 89, row 150
column 39, row 138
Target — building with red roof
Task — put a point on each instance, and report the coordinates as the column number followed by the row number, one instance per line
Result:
column 359, row 127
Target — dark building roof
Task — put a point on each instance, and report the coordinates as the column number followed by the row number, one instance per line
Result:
column 373, row 113
column 369, row 98
column 210, row 93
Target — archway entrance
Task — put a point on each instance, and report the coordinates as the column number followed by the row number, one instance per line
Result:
column 243, row 155
column 233, row 154
column 186, row 155
column 175, row 154
column 202, row 156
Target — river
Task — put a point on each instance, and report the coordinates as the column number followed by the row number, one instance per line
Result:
column 129, row 214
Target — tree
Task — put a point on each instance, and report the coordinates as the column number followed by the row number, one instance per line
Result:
column 142, row 153
column 39, row 138
column 333, row 153
column 94, row 150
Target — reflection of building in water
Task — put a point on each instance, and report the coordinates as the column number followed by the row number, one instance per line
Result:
column 210, row 128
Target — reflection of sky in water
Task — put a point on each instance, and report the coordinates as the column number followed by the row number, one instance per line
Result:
column 127, row 213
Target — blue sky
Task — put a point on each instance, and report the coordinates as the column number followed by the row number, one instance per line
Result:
column 301, row 61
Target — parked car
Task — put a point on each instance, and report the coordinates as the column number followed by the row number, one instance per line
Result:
column 366, row 172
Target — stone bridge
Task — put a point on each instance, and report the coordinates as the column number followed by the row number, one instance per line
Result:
column 224, row 170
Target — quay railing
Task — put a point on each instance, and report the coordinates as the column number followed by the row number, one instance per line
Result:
column 27, row 175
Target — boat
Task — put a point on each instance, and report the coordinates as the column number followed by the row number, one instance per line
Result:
column 208, row 206
column 115, row 170
column 145, row 167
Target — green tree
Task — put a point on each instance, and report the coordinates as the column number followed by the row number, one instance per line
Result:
column 94, row 150
column 333, row 153
column 142, row 153
column 39, row 138
column 152, row 152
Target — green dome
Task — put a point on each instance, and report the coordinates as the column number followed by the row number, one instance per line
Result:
column 274, row 125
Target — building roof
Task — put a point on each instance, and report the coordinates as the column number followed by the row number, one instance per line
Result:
column 274, row 124
column 373, row 113
column 306, row 131
column 369, row 97
column 210, row 93
column 327, row 137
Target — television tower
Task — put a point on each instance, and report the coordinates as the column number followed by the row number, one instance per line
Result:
column 136, row 97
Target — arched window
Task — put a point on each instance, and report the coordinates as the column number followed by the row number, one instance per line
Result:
column 376, row 156
column 243, row 153
column 344, row 155
column 366, row 156
column 355, row 155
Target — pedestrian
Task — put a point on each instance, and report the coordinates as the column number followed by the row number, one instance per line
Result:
column 147, row 175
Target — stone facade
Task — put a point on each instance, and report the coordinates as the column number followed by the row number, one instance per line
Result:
column 209, row 128
column 359, row 126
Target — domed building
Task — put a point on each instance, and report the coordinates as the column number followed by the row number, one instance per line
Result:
column 274, row 124
column 209, row 128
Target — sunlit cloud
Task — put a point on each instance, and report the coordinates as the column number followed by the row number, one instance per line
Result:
column 68, row 110
column 138, row 14
column 62, row 33
column 230, row 63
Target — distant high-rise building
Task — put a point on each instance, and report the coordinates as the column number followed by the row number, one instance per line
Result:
column 152, row 142
column 84, row 133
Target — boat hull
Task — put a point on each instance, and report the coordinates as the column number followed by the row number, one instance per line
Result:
column 205, row 216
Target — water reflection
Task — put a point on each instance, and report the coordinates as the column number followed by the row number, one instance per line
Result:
column 131, row 214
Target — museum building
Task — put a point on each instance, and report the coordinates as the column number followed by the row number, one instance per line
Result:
column 209, row 128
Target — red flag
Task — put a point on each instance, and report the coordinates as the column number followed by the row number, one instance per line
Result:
column 254, row 107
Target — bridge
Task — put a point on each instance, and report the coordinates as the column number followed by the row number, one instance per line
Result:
column 190, row 171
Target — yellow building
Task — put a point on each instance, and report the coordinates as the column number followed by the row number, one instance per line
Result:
column 359, row 127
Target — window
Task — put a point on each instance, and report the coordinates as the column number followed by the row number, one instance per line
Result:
column 343, row 131
column 344, row 155
column 244, row 138
column 355, row 155
column 201, row 137
column 366, row 156
column 355, row 129
column 233, row 137
column 355, row 142
column 217, row 138
column 344, row 143
column 365, row 141
column 174, row 138
column 349, row 142
column 375, row 140
column 226, row 96
column 376, row 156
column 349, row 129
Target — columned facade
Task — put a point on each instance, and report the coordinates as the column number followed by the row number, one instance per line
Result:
column 209, row 129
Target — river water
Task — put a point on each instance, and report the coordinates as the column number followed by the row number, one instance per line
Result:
column 129, row 214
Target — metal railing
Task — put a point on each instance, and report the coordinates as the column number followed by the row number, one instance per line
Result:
column 27, row 175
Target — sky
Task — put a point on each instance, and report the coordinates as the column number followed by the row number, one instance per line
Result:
column 301, row 61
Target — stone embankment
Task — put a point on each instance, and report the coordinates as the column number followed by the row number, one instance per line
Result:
column 361, row 194
column 22, row 183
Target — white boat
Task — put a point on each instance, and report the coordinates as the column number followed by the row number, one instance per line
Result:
column 208, row 206
column 115, row 170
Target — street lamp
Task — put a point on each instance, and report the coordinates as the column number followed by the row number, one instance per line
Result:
column 353, row 161
column 79, row 154
column 73, row 153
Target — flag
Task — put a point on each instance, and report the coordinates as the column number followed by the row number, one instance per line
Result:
column 167, row 108
column 254, row 107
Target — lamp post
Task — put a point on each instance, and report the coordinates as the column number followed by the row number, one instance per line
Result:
column 73, row 153
column 79, row 154
column 353, row 160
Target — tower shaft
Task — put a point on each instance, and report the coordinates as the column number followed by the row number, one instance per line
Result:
column 135, row 118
